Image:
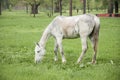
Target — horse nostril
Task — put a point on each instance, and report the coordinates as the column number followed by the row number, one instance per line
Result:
column 36, row 62
column 38, row 51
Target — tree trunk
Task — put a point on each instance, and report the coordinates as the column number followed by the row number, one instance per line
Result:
column 34, row 8
column 26, row 7
column 110, row 7
column 84, row 6
column 52, row 7
column 60, row 7
column 116, row 7
column 0, row 8
column 70, row 12
column 88, row 5
column 56, row 6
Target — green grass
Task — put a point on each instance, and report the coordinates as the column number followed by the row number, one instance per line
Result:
column 19, row 32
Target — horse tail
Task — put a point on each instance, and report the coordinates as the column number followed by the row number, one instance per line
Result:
column 94, row 37
column 95, row 33
column 96, row 27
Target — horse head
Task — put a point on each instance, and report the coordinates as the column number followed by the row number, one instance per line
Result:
column 39, row 53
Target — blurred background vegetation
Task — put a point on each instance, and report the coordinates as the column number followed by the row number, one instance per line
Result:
column 61, row 6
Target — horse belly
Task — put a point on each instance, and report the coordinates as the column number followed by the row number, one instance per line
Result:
column 71, row 34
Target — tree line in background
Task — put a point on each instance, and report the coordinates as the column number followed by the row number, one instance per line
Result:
column 60, row 5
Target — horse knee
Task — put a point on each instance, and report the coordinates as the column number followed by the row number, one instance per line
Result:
column 56, row 49
column 84, row 49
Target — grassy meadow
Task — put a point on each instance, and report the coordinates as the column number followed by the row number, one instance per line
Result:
column 18, row 33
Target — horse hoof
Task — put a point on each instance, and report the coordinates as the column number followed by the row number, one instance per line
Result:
column 63, row 61
column 55, row 59
column 93, row 62
column 78, row 61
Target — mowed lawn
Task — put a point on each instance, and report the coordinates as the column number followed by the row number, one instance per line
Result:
column 19, row 32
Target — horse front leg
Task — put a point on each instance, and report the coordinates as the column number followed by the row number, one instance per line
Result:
column 84, row 48
column 59, row 42
column 56, row 51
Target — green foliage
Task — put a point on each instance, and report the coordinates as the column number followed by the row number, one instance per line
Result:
column 18, row 32
column 12, row 2
column 46, row 5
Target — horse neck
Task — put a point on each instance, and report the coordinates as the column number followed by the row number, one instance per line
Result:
column 45, row 36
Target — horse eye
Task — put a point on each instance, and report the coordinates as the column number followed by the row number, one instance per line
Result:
column 38, row 51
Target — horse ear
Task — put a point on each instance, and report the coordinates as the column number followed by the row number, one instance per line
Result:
column 37, row 44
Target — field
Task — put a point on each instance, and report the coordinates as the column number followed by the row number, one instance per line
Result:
column 18, row 33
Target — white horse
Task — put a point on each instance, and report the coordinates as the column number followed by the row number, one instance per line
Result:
column 83, row 26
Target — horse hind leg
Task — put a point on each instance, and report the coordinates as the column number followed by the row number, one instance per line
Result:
column 84, row 48
column 94, row 42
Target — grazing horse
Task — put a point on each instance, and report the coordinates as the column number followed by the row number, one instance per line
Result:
column 83, row 26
